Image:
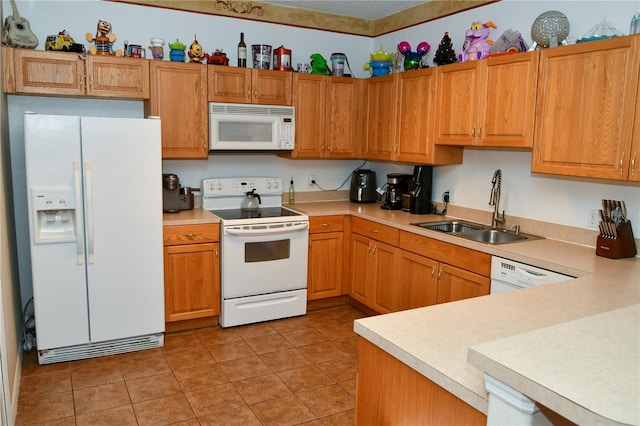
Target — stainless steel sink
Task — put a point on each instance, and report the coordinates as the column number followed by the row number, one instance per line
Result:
column 476, row 232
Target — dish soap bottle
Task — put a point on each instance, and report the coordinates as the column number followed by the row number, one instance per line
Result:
column 292, row 192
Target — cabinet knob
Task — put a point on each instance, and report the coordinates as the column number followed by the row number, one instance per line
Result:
column 633, row 164
column 622, row 164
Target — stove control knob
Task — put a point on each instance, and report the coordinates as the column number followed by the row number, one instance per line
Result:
column 276, row 184
column 268, row 184
column 219, row 186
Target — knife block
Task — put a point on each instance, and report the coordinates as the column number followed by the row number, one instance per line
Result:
column 617, row 248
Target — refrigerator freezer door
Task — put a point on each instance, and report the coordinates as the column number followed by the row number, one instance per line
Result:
column 122, row 166
column 52, row 145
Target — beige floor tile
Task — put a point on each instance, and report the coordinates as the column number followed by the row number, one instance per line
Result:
column 143, row 366
column 327, row 400
column 268, row 343
column 245, row 368
column 180, row 341
column 110, row 360
column 340, row 369
column 263, row 388
column 349, row 386
column 153, row 387
column 217, row 335
column 282, row 412
column 321, row 352
column 255, row 330
column 99, row 374
column 231, row 350
column 46, row 384
column 285, row 360
column 305, row 378
column 117, row 416
column 66, row 421
column 289, row 324
column 348, row 345
column 190, row 358
column 30, row 365
column 346, row 418
column 303, row 337
column 242, row 417
column 200, row 377
column 44, row 408
column 97, row 398
column 163, row 411
column 207, row 401
column 337, row 331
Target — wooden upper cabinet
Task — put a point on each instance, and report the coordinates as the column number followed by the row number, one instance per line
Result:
column 585, row 109
column 634, row 156
column 489, row 102
column 65, row 74
column 178, row 96
column 249, row 86
column 117, row 77
column 416, row 117
column 326, row 116
column 380, row 117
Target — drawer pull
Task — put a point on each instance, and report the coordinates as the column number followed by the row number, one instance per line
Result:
column 375, row 231
column 191, row 235
column 325, row 224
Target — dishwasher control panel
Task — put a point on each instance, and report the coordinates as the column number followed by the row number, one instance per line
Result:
column 521, row 275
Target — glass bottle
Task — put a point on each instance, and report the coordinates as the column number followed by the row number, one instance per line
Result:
column 242, row 52
column 292, row 193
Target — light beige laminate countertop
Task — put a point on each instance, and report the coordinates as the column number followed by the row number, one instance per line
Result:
column 522, row 337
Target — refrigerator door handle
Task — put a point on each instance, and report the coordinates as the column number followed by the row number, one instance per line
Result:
column 90, row 227
column 78, row 193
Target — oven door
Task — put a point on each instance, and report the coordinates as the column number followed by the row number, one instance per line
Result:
column 264, row 258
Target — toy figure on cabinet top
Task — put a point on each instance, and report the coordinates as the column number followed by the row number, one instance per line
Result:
column 196, row 54
column 413, row 60
column 103, row 40
column 476, row 45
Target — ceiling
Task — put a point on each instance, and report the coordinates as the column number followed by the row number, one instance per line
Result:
column 364, row 9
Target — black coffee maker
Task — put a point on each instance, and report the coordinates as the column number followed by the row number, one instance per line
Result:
column 417, row 200
column 397, row 184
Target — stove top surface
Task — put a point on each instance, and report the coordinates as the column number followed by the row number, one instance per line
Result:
column 263, row 212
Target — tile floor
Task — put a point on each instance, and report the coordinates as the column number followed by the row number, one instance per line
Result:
column 292, row 371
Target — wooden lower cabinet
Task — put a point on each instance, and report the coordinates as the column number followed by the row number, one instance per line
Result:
column 392, row 393
column 191, row 272
column 417, row 282
column 457, row 284
column 326, row 253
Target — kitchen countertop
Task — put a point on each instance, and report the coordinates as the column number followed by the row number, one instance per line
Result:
column 539, row 324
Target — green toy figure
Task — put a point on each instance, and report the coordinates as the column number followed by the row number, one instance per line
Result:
column 319, row 65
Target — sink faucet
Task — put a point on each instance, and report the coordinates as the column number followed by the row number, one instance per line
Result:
column 494, row 199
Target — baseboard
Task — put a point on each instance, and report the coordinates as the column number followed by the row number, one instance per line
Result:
column 12, row 411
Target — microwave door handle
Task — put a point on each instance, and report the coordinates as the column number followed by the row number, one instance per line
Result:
column 267, row 231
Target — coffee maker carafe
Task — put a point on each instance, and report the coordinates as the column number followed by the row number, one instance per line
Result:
column 417, row 200
column 397, row 184
column 170, row 193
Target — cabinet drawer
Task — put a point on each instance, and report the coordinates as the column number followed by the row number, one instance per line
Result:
column 189, row 234
column 377, row 231
column 462, row 257
column 320, row 224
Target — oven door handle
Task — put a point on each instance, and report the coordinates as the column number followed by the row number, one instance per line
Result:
column 267, row 231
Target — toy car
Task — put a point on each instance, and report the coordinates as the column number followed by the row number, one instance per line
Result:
column 63, row 42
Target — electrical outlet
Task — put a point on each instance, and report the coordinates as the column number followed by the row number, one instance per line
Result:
column 451, row 195
column 312, row 180
column 592, row 219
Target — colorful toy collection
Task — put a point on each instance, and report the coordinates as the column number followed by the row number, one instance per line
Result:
column 476, row 45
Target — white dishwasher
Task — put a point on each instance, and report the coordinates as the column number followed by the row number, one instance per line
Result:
column 508, row 275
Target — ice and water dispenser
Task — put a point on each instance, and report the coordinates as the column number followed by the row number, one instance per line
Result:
column 54, row 215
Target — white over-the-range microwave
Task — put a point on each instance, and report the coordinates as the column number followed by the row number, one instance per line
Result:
column 245, row 127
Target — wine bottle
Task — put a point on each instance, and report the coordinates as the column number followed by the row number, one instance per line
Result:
column 242, row 52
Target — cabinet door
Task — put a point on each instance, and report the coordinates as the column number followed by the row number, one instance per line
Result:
column 384, row 257
column 271, row 87
column 48, row 73
column 457, row 103
column 309, row 100
column 380, row 118
column 325, row 265
column 634, row 157
column 178, row 97
column 457, row 284
column 343, row 101
column 117, row 77
column 191, row 280
column 416, row 282
column 585, row 105
column 361, row 275
column 229, row 84
column 507, row 99
column 416, row 109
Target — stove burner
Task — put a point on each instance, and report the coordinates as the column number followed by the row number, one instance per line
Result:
column 260, row 213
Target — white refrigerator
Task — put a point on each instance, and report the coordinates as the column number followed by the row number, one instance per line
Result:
column 95, row 224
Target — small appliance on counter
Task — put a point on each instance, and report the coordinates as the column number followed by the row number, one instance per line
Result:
column 397, row 185
column 418, row 198
column 174, row 197
column 363, row 186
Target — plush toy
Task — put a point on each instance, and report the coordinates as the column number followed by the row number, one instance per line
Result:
column 196, row 54
column 412, row 60
column 476, row 45
column 103, row 40
column 319, row 64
